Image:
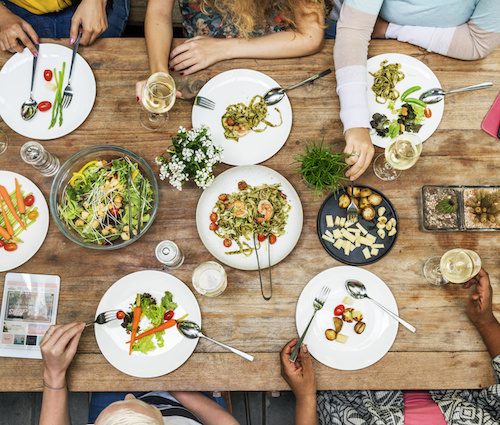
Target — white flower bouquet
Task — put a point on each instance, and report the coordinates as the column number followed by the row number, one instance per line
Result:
column 192, row 156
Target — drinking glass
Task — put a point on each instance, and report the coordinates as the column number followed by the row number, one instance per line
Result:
column 455, row 266
column 4, row 142
column 158, row 97
column 210, row 279
column 401, row 153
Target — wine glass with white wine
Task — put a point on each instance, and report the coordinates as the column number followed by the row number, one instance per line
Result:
column 158, row 97
column 455, row 266
column 401, row 153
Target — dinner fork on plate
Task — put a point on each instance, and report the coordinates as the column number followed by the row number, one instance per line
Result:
column 352, row 209
column 204, row 102
column 103, row 318
column 266, row 297
column 318, row 304
column 68, row 91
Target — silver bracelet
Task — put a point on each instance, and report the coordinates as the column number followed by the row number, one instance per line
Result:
column 54, row 388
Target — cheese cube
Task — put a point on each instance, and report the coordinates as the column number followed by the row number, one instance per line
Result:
column 366, row 253
column 360, row 227
column 347, row 249
column 342, row 222
column 328, row 238
column 339, row 243
column 328, row 233
column 337, row 221
column 371, row 238
column 349, row 236
column 352, row 230
column 378, row 245
column 374, row 251
column 337, row 234
column 329, row 221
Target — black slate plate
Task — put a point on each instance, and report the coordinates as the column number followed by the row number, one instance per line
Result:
column 356, row 257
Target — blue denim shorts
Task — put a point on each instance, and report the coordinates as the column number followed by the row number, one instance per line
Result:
column 58, row 24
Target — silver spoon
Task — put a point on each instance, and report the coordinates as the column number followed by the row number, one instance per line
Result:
column 192, row 330
column 274, row 95
column 358, row 291
column 28, row 108
column 437, row 95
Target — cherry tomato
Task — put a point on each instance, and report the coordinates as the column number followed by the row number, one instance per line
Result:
column 261, row 237
column 213, row 226
column 339, row 310
column 33, row 215
column 428, row 112
column 168, row 315
column 120, row 314
column 213, row 217
column 29, row 200
column 11, row 246
column 47, row 74
column 223, row 197
column 44, row 106
column 272, row 239
column 114, row 211
column 228, row 243
column 2, row 243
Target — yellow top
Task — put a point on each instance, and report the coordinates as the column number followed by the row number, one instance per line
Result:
column 39, row 7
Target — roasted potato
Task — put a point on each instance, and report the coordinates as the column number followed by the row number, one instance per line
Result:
column 381, row 211
column 368, row 213
column 357, row 315
column 365, row 192
column 347, row 315
column 382, row 219
column 344, row 201
column 356, row 192
column 330, row 334
column 375, row 199
column 342, row 338
column 363, row 203
column 359, row 327
column 337, row 324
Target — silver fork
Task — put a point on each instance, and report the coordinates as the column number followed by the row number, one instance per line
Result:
column 352, row 209
column 103, row 318
column 68, row 91
column 204, row 102
column 318, row 304
column 266, row 297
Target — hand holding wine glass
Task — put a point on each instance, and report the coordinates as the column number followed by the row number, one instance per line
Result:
column 158, row 97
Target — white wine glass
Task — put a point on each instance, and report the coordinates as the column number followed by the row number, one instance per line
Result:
column 158, row 97
column 455, row 266
column 401, row 153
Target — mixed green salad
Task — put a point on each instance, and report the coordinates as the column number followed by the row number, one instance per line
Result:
column 153, row 316
column 107, row 202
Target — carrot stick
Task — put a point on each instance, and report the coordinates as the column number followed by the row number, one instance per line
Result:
column 8, row 226
column 5, row 195
column 20, row 200
column 4, row 234
column 136, row 317
column 162, row 327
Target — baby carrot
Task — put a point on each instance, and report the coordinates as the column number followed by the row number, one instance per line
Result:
column 136, row 317
column 4, row 234
column 20, row 200
column 5, row 195
column 8, row 226
column 162, row 327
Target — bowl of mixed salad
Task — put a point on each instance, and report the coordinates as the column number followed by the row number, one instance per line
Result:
column 104, row 197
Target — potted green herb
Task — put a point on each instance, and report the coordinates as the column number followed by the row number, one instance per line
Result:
column 322, row 169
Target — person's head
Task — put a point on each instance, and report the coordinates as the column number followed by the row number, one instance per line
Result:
column 251, row 15
column 130, row 412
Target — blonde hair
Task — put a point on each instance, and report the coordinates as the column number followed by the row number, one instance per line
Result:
column 127, row 417
column 250, row 15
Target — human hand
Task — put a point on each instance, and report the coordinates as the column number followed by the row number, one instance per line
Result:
column 479, row 307
column 359, row 147
column 58, row 348
column 197, row 53
column 299, row 375
column 91, row 16
column 380, row 28
column 13, row 30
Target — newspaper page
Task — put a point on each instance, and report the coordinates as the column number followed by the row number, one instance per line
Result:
column 29, row 308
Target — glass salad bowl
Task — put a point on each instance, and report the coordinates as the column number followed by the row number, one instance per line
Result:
column 104, row 197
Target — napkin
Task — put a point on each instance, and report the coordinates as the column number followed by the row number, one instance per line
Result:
column 491, row 122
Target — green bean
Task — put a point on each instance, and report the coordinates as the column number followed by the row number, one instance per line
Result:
column 409, row 91
column 416, row 101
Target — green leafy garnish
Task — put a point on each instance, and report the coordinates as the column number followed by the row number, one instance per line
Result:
column 167, row 301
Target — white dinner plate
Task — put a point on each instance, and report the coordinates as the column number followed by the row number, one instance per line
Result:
column 227, row 182
column 416, row 74
column 35, row 234
column 112, row 338
column 15, row 80
column 359, row 351
column 235, row 86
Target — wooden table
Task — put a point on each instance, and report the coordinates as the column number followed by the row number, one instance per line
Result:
column 446, row 352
